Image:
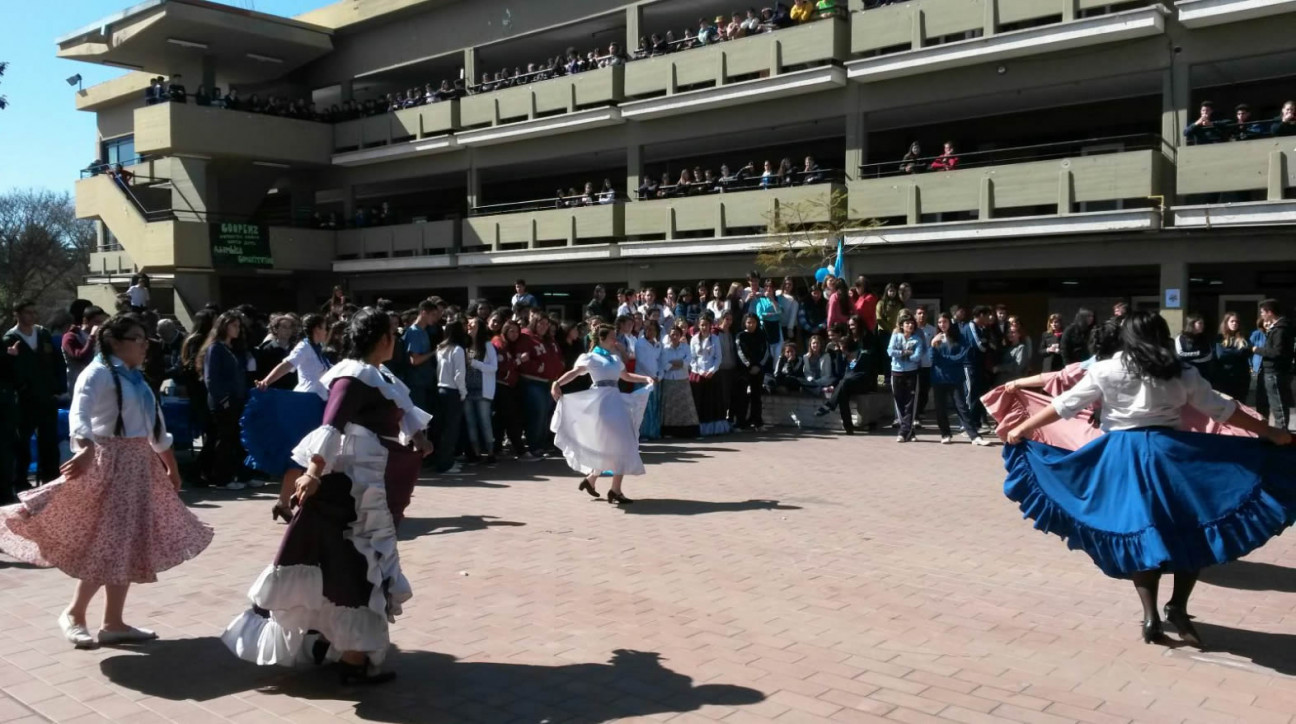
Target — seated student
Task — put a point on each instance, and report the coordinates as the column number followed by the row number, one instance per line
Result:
column 860, row 377
column 818, row 367
column 789, row 370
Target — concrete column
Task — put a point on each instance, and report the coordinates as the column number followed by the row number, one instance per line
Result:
column 193, row 290
column 1174, row 279
column 474, row 186
column 470, row 66
column 1176, row 95
column 345, row 89
column 634, row 27
column 208, row 73
column 634, row 160
column 192, row 197
column 856, row 131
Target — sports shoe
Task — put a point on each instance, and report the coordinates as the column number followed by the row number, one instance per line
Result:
column 901, row 438
column 946, row 440
column 254, row 483
column 982, row 442
column 455, row 469
column 232, row 485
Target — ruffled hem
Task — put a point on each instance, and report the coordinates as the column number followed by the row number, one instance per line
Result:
column 326, row 441
column 389, row 386
column 1265, row 513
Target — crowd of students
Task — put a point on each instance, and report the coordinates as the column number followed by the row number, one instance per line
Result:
column 716, row 350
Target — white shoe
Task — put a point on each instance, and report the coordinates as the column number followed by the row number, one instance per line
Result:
column 131, row 635
column 901, row 438
column 234, row 485
column 455, row 469
column 76, row 634
column 254, row 483
column 946, row 440
column 982, row 442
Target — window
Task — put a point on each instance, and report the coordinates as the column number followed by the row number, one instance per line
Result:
column 119, row 150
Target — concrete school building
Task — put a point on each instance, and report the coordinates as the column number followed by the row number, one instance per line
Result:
column 1075, row 184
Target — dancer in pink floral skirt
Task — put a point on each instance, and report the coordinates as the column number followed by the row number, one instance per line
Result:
column 113, row 518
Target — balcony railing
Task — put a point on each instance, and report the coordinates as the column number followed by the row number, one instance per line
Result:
column 564, row 94
column 1263, row 166
column 1112, row 171
column 530, row 229
column 400, row 240
column 720, row 214
column 170, row 128
column 919, row 23
column 434, row 119
column 815, row 43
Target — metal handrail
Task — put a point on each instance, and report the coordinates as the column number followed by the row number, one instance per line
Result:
column 1019, row 154
column 553, row 202
column 558, row 71
column 735, row 183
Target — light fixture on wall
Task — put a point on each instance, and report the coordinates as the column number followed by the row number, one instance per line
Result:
column 1001, row 70
column 75, row 80
column 187, row 43
column 264, row 58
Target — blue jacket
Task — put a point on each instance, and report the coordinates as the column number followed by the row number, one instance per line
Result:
column 949, row 363
column 225, row 372
column 1257, row 340
column 899, row 346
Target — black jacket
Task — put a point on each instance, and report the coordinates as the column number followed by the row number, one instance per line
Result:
column 753, row 349
column 1276, row 355
column 1075, row 344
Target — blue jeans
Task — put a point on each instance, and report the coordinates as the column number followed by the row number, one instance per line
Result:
column 538, row 407
column 477, row 417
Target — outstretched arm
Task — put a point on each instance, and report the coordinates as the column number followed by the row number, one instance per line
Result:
column 279, row 370
column 636, row 379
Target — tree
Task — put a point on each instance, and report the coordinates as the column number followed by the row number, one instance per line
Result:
column 4, row 102
column 803, row 234
column 44, row 249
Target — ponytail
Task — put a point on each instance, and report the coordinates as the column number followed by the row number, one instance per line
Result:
column 600, row 331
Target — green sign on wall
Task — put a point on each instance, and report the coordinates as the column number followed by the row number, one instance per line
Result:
column 241, row 245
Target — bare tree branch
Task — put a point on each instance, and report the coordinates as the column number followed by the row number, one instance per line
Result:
column 802, row 235
column 44, row 249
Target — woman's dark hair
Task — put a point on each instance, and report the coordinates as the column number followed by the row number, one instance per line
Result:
column 113, row 332
column 311, row 322
column 1084, row 317
column 1190, row 321
column 1149, row 351
column 1105, row 339
column 365, row 330
column 478, row 340
column 455, row 335
column 955, row 333
column 217, row 334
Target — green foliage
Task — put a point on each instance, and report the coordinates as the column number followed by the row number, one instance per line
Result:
column 802, row 235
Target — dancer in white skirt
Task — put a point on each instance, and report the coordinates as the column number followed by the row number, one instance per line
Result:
column 598, row 429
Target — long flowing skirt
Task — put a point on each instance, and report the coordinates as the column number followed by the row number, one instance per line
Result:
column 1156, row 499
column 273, row 423
column 337, row 575
column 679, row 413
column 1010, row 409
column 598, row 430
column 650, row 428
column 122, row 522
column 710, row 408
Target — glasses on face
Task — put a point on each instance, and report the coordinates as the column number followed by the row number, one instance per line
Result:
column 134, row 338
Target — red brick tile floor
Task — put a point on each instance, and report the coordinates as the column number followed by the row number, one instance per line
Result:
column 772, row 577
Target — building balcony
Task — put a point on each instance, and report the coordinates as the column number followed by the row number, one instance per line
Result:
column 925, row 35
column 546, row 227
column 189, row 129
column 1245, row 183
column 430, row 238
column 1204, row 13
column 714, row 67
column 409, row 124
column 565, row 94
column 735, row 212
column 111, row 264
column 998, row 187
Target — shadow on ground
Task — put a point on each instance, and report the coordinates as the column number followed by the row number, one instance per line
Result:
column 675, row 506
column 433, row 687
column 1273, row 651
column 411, row 528
column 1251, row 576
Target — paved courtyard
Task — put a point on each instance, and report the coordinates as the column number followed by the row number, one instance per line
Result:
column 760, row 578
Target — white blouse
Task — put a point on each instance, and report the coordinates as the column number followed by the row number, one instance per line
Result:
column 452, row 369
column 310, row 366
column 93, row 415
column 1130, row 402
column 647, row 357
column 670, row 354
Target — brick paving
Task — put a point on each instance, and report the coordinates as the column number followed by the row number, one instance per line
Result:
column 814, row 578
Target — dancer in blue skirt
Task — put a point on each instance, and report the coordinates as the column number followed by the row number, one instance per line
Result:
column 1144, row 498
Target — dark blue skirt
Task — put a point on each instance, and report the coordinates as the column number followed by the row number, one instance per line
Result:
column 273, row 423
column 1156, row 499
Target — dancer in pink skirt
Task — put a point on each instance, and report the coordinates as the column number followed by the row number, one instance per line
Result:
column 113, row 518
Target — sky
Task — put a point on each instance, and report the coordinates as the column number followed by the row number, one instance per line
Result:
column 46, row 141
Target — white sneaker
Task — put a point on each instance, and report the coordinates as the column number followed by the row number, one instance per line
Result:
column 76, row 634
column 901, row 438
column 947, row 440
column 254, row 483
column 455, row 469
column 233, row 485
column 982, row 442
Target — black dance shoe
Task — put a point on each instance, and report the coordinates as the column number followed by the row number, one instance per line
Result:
column 281, row 511
column 585, row 485
column 1152, row 632
column 617, row 498
column 1178, row 617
